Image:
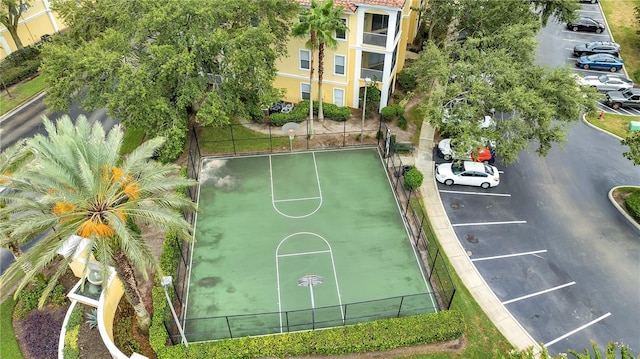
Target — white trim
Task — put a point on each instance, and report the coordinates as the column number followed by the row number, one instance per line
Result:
column 344, row 65
column 334, row 96
column 301, row 92
column 300, row 52
column 306, row 78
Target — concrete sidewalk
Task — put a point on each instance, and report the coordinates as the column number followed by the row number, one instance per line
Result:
column 501, row 317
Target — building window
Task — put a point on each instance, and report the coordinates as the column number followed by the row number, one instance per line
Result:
column 305, row 91
column 379, row 23
column 305, row 60
column 342, row 35
column 338, row 97
column 339, row 64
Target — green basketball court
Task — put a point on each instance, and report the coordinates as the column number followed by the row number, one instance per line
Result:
column 299, row 241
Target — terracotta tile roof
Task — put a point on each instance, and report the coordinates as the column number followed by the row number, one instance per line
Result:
column 352, row 5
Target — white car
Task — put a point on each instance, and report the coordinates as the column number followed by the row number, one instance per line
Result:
column 606, row 82
column 468, row 173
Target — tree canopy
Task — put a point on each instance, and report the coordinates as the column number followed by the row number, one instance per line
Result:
column 493, row 72
column 160, row 66
column 10, row 13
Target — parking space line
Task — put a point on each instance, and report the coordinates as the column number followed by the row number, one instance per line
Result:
column 486, row 223
column 576, row 330
column 508, row 255
column 478, row 193
column 538, row 293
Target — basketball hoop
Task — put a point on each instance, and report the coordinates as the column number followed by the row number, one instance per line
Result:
column 290, row 128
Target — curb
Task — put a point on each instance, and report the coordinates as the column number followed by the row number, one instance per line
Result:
column 26, row 103
column 632, row 221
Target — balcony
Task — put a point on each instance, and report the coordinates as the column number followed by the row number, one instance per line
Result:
column 372, row 74
column 375, row 39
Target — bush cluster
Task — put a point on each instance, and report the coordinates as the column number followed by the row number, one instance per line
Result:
column 402, row 123
column 71, row 349
column 413, row 179
column 632, row 202
column 28, row 298
column 301, row 111
column 123, row 336
column 173, row 148
column 407, row 80
column 390, row 112
column 20, row 65
column 364, row 337
column 41, row 332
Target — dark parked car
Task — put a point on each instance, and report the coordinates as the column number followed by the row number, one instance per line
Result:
column 589, row 1
column 600, row 62
column 597, row 47
column 626, row 98
column 586, row 24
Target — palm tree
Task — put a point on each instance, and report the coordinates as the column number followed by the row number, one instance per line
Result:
column 77, row 183
column 330, row 22
column 10, row 159
column 307, row 26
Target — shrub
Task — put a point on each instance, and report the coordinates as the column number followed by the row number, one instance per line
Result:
column 124, row 338
column 413, row 179
column 387, row 113
column 17, row 58
column 13, row 75
column 28, row 298
column 176, row 139
column 335, row 113
column 407, row 80
column 71, row 349
column 632, row 202
column 41, row 332
column 402, row 123
column 378, row 335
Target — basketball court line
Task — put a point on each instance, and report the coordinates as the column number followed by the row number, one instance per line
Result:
column 273, row 197
column 333, row 267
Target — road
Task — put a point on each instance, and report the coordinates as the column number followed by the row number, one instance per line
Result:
column 25, row 123
column 548, row 241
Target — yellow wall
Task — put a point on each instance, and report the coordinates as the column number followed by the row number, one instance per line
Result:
column 35, row 22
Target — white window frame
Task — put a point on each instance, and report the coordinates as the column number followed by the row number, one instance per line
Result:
column 335, row 34
column 308, row 59
column 344, row 65
column 336, row 91
column 304, row 85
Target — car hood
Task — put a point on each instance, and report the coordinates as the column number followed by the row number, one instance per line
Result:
column 445, row 146
column 583, row 59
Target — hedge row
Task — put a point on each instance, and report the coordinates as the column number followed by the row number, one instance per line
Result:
column 301, row 111
column 20, row 65
column 379, row 335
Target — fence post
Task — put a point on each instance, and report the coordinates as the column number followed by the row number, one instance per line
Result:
column 400, row 306
column 344, row 134
column 233, row 140
column 270, row 140
column 229, row 327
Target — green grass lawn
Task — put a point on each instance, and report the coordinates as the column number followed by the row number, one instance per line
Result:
column 19, row 94
column 8, row 344
column 623, row 26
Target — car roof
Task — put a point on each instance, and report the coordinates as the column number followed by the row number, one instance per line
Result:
column 608, row 43
column 473, row 166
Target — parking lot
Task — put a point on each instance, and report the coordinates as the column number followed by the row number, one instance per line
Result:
column 570, row 39
column 546, row 241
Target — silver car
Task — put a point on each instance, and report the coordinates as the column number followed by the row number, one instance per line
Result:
column 606, row 82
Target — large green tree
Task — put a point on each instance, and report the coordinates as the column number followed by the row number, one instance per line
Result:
column 632, row 141
column 10, row 13
column 76, row 183
column 162, row 66
column 493, row 71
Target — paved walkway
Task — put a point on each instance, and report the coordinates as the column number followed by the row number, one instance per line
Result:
column 501, row 317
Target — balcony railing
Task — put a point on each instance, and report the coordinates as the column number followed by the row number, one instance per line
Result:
column 372, row 74
column 371, row 38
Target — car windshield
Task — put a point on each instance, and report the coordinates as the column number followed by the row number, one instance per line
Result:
column 603, row 78
column 457, row 167
column 488, row 169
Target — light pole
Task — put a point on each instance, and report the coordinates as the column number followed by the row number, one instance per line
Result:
column 367, row 81
column 166, row 282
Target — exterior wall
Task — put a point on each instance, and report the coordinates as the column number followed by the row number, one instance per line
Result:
column 356, row 52
column 38, row 20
